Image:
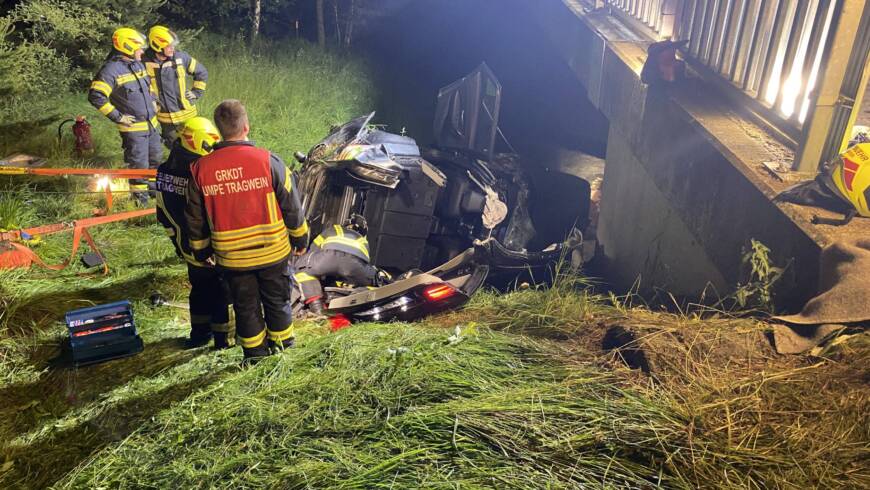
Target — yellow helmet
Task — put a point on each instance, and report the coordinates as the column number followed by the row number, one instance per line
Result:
column 160, row 37
column 849, row 177
column 128, row 40
column 199, row 135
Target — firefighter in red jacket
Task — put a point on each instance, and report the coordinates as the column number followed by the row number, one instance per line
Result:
column 244, row 210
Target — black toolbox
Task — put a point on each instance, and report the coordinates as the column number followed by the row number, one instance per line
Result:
column 103, row 332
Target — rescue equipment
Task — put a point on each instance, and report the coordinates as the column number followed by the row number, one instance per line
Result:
column 13, row 253
column 127, row 173
column 84, row 144
column 101, row 333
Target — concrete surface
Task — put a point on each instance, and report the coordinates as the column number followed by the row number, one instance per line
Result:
column 685, row 190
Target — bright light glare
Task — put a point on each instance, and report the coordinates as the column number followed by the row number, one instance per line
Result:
column 790, row 91
column 103, row 183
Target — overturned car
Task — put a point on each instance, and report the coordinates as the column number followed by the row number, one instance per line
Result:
column 458, row 210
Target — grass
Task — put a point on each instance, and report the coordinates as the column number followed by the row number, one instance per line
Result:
column 524, row 397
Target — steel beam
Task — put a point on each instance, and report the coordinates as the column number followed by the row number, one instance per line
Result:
column 839, row 87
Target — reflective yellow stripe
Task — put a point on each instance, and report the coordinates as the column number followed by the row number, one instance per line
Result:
column 199, row 84
column 102, row 87
column 200, row 244
column 281, row 335
column 242, row 232
column 250, row 253
column 303, row 277
column 192, row 68
column 138, row 126
column 176, row 117
column 362, row 246
column 253, row 262
column 272, row 205
column 299, row 232
column 319, row 240
column 339, row 231
column 182, row 84
column 288, row 180
column 256, row 340
column 106, row 109
column 130, row 77
column 258, row 241
column 221, row 327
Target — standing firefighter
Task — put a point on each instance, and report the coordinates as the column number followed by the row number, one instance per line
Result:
column 169, row 69
column 209, row 295
column 244, row 209
column 122, row 92
column 340, row 253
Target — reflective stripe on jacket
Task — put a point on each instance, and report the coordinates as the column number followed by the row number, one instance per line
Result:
column 169, row 82
column 172, row 180
column 343, row 240
column 122, row 86
column 242, row 206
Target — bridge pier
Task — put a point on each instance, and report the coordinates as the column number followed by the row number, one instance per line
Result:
column 685, row 188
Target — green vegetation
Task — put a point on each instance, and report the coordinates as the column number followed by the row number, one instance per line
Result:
column 513, row 391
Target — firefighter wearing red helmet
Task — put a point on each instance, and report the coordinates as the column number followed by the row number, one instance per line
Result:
column 244, row 210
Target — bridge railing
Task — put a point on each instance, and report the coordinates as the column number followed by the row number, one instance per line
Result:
column 798, row 64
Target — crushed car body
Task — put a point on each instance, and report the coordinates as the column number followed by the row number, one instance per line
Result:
column 459, row 210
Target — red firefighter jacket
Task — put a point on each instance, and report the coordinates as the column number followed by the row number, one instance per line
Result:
column 243, row 207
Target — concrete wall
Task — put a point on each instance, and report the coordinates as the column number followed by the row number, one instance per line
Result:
column 682, row 197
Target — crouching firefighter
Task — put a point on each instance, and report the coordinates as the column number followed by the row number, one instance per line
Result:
column 209, row 295
column 169, row 69
column 244, row 209
column 339, row 254
column 121, row 91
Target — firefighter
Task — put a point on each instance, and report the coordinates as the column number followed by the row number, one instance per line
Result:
column 169, row 68
column 209, row 294
column 121, row 91
column 244, row 208
column 340, row 253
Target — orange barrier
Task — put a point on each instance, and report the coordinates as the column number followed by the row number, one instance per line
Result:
column 18, row 255
column 127, row 173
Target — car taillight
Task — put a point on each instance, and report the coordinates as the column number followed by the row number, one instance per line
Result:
column 437, row 292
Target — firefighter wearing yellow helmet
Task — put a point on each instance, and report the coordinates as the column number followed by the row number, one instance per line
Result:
column 122, row 92
column 849, row 177
column 209, row 295
column 171, row 71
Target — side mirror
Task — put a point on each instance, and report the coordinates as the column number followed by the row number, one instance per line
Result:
column 300, row 157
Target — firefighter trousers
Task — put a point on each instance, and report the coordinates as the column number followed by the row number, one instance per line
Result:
column 142, row 149
column 331, row 265
column 261, row 298
column 209, row 302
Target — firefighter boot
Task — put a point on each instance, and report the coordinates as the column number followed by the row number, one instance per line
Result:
column 221, row 341
column 200, row 335
column 253, row 355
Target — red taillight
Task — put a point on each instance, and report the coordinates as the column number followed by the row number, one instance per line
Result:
column 338, row 322
column 437, row 292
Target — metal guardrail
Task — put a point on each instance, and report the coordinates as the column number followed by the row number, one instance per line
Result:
column 775, row 52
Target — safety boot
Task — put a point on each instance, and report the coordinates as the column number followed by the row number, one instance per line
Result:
column 253, row 355
column 199, row 336
column 276, row 347
column 221, row 341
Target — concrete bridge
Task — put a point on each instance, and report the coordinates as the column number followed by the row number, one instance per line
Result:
column 691, row 169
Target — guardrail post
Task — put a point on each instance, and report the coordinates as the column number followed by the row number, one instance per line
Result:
column 840, row 87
